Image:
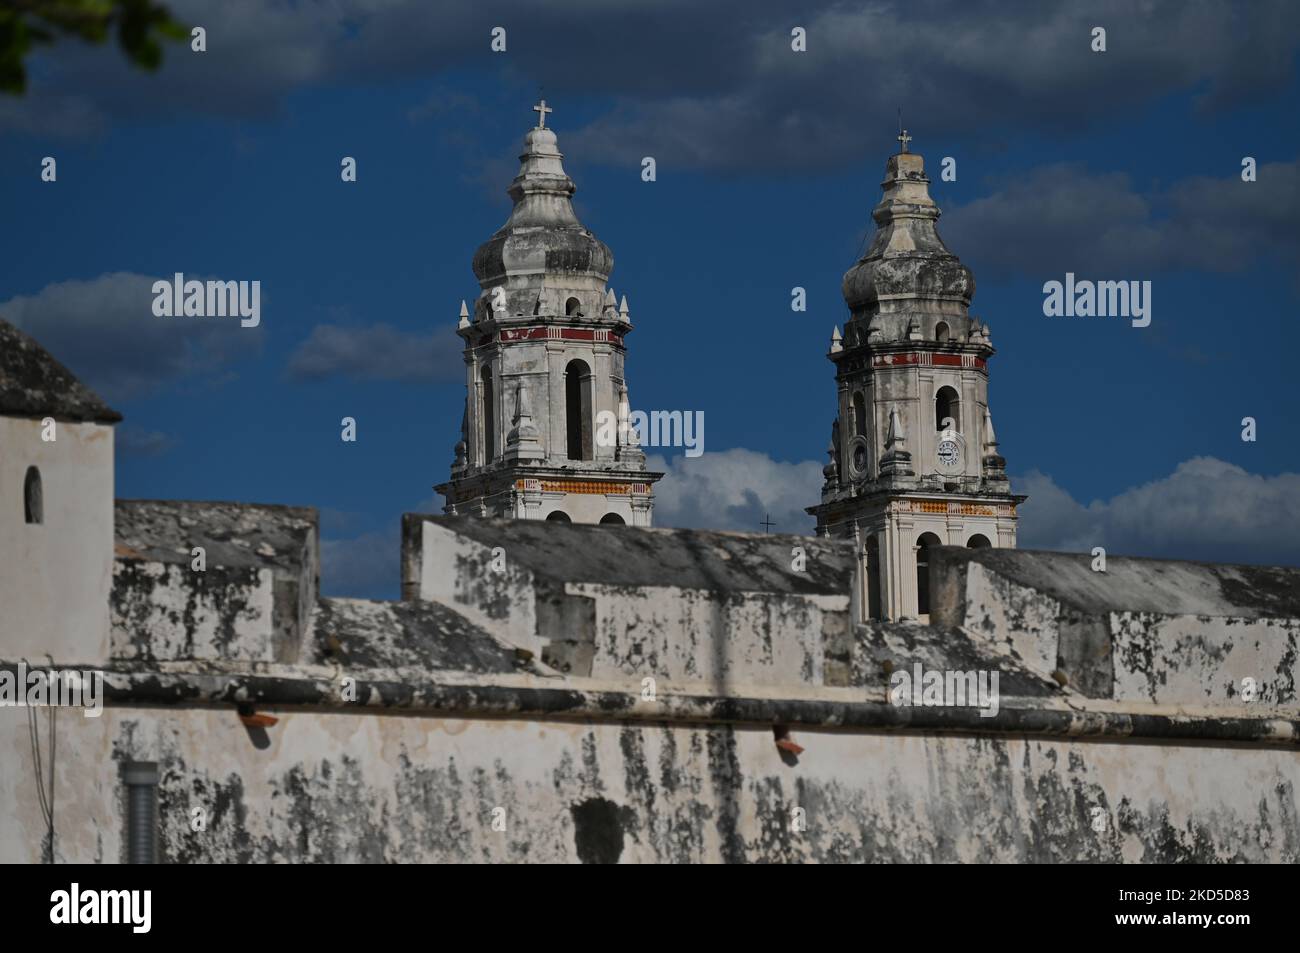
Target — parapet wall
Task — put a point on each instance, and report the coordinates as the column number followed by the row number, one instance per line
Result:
column 1144, row 630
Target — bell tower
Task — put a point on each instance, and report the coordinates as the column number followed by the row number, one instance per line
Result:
column 914, row 460
column 546, row 433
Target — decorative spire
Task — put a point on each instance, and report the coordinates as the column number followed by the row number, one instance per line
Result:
column 629, row 441
column 895, row 437
column 897, row 461
column 462, row 446
column 464, row 315
column 836, row 340
column 622, row 311
column 831, row 471
column 522, row 442
column 990, row 438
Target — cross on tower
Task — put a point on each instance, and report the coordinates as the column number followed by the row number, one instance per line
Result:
column 767, row 523
column 904, row 138
column 543, row 109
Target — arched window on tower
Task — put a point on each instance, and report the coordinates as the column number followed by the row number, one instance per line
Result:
column 859, row 414
column 33, row 499
column 947, row 404
column 871, row 591
column 612, row 519
column 487, row 413
column 941, row 332
column 577, row 410
column 573, row 308
column 978, row 541
column 558, row 516
column 923, row 547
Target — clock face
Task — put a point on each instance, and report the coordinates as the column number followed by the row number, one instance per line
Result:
column 949, row 454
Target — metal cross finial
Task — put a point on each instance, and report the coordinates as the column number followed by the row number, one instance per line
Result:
column 903, row 137
column 543, row 109
column 767, row 523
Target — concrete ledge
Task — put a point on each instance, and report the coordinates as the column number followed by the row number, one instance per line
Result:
column 573, row 701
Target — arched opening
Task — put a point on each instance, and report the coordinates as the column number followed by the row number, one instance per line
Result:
column 577, row 410
column 33, row 500
column 947, row 405
column 573, row 308
column 871, row 595
column 859, row 414
column 923, row 546
column 487, row 413
column 612, row 519
column 941, row 332
column 558, row 516
column 978, row 541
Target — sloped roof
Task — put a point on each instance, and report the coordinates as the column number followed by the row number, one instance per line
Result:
column 34, row 384
column 639, row 556
column 1135, row 584
column 233, row 534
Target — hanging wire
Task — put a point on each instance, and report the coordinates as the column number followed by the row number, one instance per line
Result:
column 46, row 800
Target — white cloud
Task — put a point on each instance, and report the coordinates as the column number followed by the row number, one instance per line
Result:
column 378, row 352
column 735, row 490
column 104, row 330
column 1063, row 217
column 1207, row 509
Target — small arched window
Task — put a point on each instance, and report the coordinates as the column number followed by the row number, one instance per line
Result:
column 488, row 405
column 947, row 404
column 612, row 519
column 923, row 546
column 573, row 308
column 558, row 516
column 33, row 499
column 941, row 332
column 978, row 541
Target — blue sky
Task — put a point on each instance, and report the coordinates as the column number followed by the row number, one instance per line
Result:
column 1117, row 165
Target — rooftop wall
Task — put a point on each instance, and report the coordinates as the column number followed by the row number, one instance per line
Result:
column 719, row 609
column 1142, row 630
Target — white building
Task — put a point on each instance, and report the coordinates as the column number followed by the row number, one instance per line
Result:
column 914, row 461
column 56, row 507
column 544, row 366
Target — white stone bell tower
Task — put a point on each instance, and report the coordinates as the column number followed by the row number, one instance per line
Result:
column 545, row 432
column 914, row 460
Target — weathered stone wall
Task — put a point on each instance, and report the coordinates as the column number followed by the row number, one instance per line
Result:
column 718, row 624
column 1142, row 630
column 366, row 787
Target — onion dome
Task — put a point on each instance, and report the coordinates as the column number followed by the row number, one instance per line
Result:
column 907, row 266
column 543, row 235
